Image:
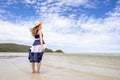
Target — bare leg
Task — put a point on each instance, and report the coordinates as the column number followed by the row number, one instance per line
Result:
column 33, row 67
column 38, row 67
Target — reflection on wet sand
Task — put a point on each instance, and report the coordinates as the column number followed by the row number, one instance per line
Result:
column 37, row 77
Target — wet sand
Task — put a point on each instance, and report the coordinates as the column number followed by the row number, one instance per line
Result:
column 15, row 66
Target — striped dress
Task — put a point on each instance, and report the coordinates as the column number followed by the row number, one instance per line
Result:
column 35, row 52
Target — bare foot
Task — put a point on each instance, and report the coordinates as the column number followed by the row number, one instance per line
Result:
column 33, row 72
column 38, row 71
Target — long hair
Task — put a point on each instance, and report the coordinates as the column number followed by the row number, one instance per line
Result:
column 34, row 30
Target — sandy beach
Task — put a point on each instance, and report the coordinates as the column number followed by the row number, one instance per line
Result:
column 15, row 66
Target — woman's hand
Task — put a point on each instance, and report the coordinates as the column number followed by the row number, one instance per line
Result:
column 42, row 48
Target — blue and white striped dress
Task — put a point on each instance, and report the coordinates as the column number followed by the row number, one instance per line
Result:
column 35, row 52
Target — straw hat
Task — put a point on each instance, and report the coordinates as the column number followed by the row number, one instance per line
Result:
column 37, row 23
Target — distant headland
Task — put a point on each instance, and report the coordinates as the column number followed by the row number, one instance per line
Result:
column 11, row 47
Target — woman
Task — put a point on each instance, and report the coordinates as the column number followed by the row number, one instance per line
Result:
column 37, row 50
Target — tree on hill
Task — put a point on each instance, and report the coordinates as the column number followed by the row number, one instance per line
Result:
column 59, row 51
column 48, row 50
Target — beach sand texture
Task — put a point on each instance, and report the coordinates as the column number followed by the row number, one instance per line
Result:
column 15, row 66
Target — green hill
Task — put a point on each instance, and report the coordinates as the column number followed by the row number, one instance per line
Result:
column 10, row 47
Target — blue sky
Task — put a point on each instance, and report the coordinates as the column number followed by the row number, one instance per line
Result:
column 75, row 26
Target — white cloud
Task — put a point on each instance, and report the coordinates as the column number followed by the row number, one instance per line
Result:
column 96, row 38
column 59, row 6
column 74, row 2
column 87, row 34
column 15, row 33
column 118, row 2
column 86, row 3
column 30, row 1
column 2, row 11
column 96, row 35
column 6, row 3
column 116, row 11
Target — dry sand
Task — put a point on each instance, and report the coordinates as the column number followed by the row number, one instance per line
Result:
column 15, row 66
